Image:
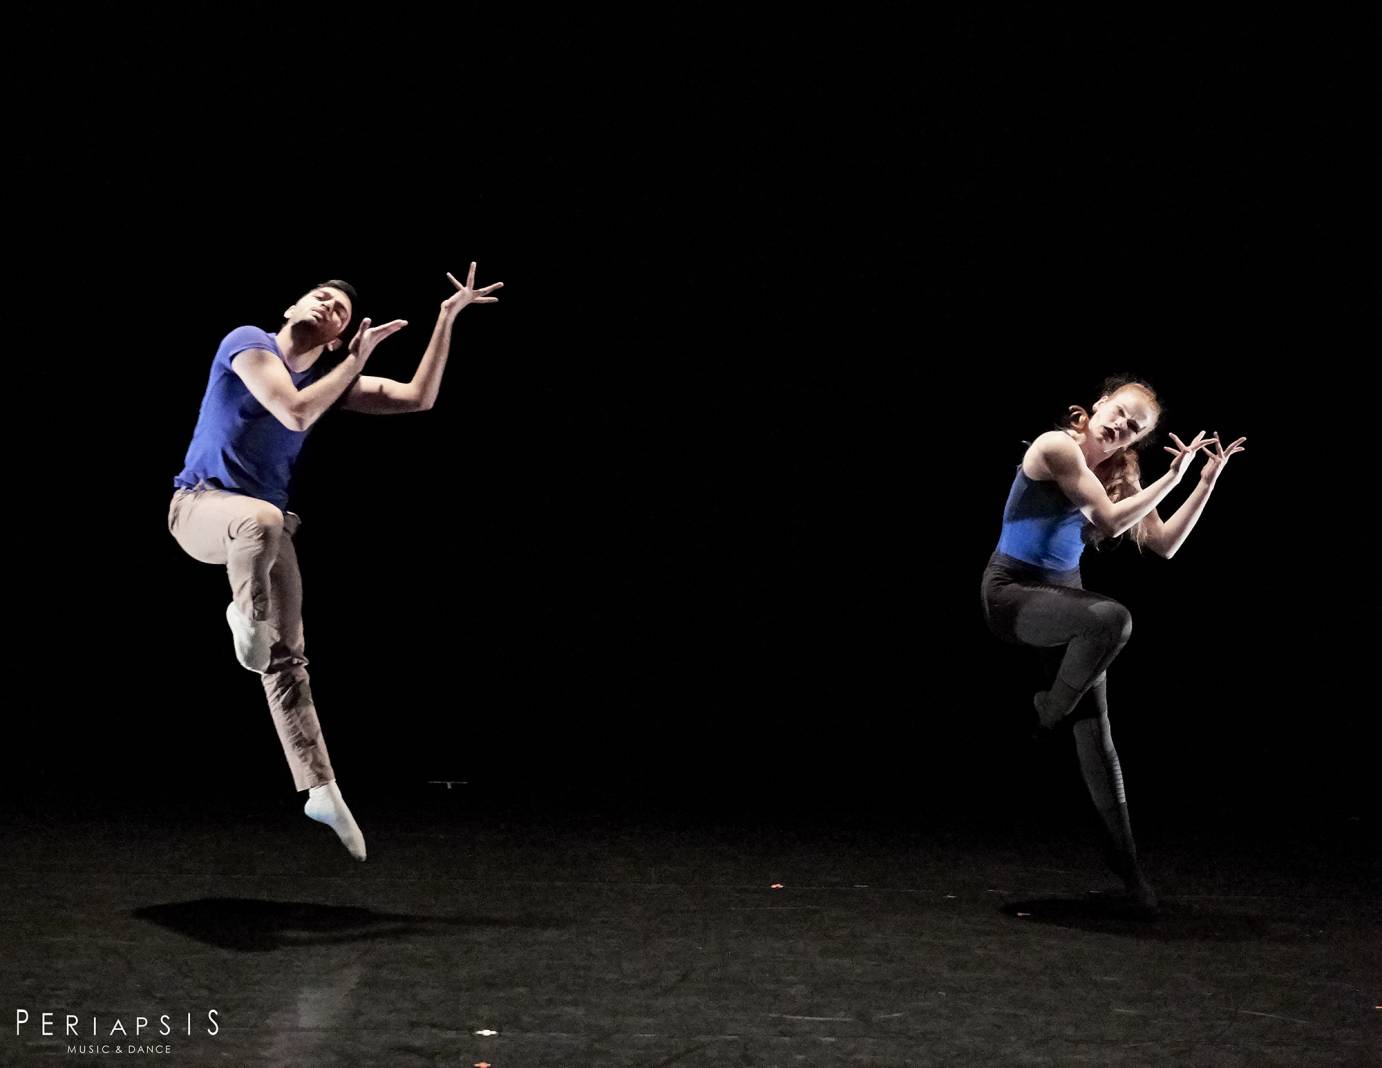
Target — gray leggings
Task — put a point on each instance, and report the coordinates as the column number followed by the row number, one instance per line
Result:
column 1027, row 605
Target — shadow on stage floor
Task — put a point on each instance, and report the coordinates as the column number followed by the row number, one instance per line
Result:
column 536, row 930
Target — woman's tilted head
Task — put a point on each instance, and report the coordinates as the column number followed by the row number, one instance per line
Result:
column 1125, row 416
column 1126, row 412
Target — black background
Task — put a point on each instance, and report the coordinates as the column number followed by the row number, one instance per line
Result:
column 703, row 506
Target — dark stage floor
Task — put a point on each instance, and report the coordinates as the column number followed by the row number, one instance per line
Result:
column 553, row 931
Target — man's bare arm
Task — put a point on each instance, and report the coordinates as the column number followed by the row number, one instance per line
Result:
column 386, row 396
column 382, row 396
column 268, row 380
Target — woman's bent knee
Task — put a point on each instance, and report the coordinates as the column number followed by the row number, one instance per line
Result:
column 1115, row 621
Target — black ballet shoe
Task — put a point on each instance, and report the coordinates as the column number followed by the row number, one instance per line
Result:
column 1140, row 892
column 1046, row 721
column 1046, row 728
column 1143, row 896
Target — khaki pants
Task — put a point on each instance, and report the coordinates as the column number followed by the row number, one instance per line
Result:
column 254, row 541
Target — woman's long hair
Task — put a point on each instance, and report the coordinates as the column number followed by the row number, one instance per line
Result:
column 1121, row 470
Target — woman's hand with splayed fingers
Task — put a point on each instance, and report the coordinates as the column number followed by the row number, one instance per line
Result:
column 1216, row 458
column 1180, row 455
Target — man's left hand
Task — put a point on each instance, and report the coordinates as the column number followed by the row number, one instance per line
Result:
column 467, row 294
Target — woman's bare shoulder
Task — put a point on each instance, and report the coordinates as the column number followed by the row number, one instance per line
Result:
column 1034, row 464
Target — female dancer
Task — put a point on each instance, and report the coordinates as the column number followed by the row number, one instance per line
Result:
column 1081, row 485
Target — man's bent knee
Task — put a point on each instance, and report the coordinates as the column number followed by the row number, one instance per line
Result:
column 264, row 524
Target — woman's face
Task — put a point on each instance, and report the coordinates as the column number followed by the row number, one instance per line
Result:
column 1121, row 420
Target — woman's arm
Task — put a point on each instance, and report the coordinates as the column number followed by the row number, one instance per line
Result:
column 1067, row 465
column 1166, row 538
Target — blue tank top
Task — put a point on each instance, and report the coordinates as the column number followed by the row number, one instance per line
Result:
column 1041, row 525
column 238, row 445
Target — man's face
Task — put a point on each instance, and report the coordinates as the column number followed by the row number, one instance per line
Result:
column 323, row 312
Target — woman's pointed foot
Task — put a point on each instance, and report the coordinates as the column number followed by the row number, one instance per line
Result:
column 1140, row 891
column 1044, row 717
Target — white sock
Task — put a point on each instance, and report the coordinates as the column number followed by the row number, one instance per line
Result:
column 326, row 805
column 253, row 641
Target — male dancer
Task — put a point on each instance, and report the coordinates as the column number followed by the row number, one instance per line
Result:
column 231, row 503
